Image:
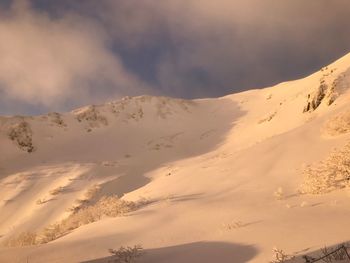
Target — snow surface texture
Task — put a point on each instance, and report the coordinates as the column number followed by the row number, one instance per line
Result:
column 220, row 178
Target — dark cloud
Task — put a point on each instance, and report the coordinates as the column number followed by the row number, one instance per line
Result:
column 184, row 48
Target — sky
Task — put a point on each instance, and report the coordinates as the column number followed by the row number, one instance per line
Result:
column 59, row 55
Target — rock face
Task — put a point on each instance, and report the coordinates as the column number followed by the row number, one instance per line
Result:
column 21, row 134
column 331, row 86
column 324, row 92
column 316, row 100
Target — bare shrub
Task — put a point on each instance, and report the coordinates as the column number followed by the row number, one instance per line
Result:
column 326, row 253
column 21, row 240
column 329, row 174
column 279, row 256
column 110, row 206
column 337, row 254
column 51, row 233
column 329, row 255
column 126, row 254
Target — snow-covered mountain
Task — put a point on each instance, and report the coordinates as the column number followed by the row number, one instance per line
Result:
column 219, row 179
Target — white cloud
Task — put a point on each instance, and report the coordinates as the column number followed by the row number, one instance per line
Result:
column 46, row 61
column 203, row 47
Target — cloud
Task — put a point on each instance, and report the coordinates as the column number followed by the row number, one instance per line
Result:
column 50, row 62
column 216, row 47
column 72, row 52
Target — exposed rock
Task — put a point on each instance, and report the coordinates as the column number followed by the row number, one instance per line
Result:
column 331, row 87
column 21, row 134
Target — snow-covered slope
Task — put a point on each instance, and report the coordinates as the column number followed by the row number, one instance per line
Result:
column 209, row 169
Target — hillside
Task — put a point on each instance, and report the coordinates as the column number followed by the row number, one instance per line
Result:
column 219, row 179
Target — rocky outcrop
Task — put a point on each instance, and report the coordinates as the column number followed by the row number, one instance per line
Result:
column 331, row 86
column 21, row 134
column 316, row 99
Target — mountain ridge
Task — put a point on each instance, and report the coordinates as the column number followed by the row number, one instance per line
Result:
column 208, row 169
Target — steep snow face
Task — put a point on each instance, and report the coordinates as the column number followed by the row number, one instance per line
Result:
column 224, row 170
column 111, row 145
